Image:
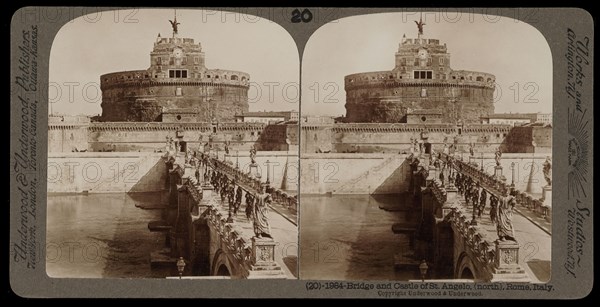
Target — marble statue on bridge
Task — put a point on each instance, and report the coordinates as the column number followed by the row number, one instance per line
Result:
column 547, row 170
column 253, row 155
column 261, row 211
column 504, row 224
column 498, row 155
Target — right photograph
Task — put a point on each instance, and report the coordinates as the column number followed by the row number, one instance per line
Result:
column 426, row 149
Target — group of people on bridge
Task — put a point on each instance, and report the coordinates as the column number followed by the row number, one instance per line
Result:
column 231, row 192
column 501, row 209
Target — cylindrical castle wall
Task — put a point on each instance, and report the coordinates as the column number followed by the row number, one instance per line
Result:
column 388, row 100
column 143, row 99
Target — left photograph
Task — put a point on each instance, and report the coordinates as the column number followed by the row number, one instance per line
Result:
column 172, row 147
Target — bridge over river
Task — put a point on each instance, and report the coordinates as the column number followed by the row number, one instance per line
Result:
column 458, row 236
column 201, row 228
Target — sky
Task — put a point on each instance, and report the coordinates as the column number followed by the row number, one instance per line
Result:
column 113, row 41
column 514, row 51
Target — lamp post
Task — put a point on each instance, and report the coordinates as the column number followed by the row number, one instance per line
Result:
column 268, row 172
column 512, row 179
column 482, row 161
column 180, row 266
column 423, row 267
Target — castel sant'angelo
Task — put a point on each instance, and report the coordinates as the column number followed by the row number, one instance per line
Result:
column 177, row 96
column 422, row 79
column 176, row 79
column 421, row 98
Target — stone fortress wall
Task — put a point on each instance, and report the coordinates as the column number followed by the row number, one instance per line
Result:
column 135, row 96
column 176, row 79
column 421, row 79
column 397, row 138
column 151, row 136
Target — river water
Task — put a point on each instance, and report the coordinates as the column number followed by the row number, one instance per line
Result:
column 101, row 235
column 348, row 237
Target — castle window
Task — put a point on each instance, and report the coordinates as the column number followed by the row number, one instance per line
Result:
column 184, row 61
column 196, row 60
column 480, row 79
column 178, row 91
column 178, row 117
column 423, row 92
column 423, row 74
column 178, row 73
column 441, row 61
column 423, row 118
column 234, row 77
column 158, row 61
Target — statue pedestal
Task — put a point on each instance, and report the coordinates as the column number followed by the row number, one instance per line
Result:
column 264, row 265
column 253, row 170
column 547, row 196
column 451, row 198
column 506, row 263
column 431, row 175
column 498, row 171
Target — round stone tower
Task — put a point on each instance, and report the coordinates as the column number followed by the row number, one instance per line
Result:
column 421, row 80
column 176, row 79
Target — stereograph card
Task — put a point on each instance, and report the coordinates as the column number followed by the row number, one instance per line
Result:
column 301, row 152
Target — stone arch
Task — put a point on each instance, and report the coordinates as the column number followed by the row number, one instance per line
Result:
column 223, row 271
column 221, row 265
column 464, row 268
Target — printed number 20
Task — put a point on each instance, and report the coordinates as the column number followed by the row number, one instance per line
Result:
column 304, row 16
